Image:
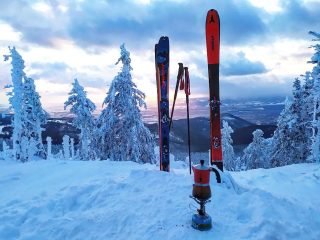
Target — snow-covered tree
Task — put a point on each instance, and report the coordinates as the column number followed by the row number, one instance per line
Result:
column 229, row 158
column 6, row 153
column 123, row 135
column 66, row 147
column 307, row 96
column 72, row 148
column 16, row 99
column 315, row 99
column 282, row 149
column 49, row 147
column 300, row 125
column 290, row 140
column 300, row 132
column 255, row 154
column 82, row 108
column 297, row 137
column 28, row 112
column 315, row 146
column 33, row 116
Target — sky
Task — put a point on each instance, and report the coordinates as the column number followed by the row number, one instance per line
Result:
column 264, row 44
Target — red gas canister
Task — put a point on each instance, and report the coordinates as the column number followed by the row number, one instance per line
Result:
column 201, row 188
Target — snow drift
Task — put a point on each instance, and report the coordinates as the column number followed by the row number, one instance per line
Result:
column 125, row 200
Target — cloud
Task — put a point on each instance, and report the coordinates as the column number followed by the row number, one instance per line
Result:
column 4, row 80
column 38, row 27
column 240, row 65
column 182, row 21
column 254, row 86
column 60, row 72
column 108, row 23
column 80, row 39
column 56, row 72
column 241, row 23
column 56, row 66
column 296, row 19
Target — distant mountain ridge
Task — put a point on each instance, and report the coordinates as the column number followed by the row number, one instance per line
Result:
column 259, row 111
column 199, row 129
column 200, row 132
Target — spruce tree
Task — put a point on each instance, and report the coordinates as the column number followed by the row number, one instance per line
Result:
column 33, row 116
column 300, row 128
column 315, row 99
column 123, row 135
column 82, row 108
column 28, row 112
column 255, row 154
column 16, row 99
column 297, row 137
column 291, row 138
column 307, row 97
column 229, row 159
column 281, row 151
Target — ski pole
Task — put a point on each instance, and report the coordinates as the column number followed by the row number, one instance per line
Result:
column 187, row 92
column 179, row 77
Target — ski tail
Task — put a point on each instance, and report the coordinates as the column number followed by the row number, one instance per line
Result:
column 213, row 55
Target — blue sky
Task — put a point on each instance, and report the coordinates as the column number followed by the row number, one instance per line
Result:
column 264, row 44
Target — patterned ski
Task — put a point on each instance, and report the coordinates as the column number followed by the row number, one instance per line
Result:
column 162, row 76
column 213, row 52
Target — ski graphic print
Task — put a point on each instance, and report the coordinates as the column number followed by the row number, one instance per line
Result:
column 213, row 52
column 162, row 76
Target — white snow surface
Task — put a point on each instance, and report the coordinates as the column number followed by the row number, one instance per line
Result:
column 125, row 200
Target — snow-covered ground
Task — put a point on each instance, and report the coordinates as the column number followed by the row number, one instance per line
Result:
column 125, row 200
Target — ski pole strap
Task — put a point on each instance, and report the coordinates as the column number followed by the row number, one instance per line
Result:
column 187, row 81
column 181, row 78
column 182, row 84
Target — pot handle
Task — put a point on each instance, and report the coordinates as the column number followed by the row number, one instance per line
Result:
column 218, row 177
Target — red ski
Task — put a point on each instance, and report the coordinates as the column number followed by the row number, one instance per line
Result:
column 213, row 52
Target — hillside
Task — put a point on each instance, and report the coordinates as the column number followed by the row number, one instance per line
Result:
column 200, row 132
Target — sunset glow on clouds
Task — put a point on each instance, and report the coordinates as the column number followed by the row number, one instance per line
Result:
column 264, row 44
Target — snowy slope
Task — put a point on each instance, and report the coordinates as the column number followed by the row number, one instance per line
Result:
column 125, row 200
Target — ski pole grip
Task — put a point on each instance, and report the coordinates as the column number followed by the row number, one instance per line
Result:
column 180, row 71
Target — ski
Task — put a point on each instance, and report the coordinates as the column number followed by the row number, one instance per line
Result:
column 162, row 78
column 213, row 51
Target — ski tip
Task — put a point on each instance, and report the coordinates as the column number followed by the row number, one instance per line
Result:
column 163, row 43
column 164, row 38
column 212, row 16
column 212, row 10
